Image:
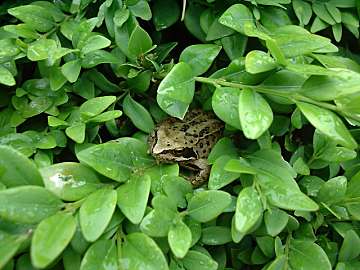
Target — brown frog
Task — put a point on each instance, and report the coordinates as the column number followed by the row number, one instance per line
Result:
column 187, row 142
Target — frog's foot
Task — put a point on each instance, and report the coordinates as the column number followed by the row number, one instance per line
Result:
column 200, row 171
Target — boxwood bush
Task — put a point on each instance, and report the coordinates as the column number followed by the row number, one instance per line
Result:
column 83, row 84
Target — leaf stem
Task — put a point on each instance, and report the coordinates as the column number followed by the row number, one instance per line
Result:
column 295, row 97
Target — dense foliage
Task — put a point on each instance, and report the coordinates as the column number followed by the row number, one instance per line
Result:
column 84, row 82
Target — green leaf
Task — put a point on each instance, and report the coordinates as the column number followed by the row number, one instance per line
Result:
column 219, row 177
column 234, row 45
column 255, row 114
column 294, row 40
column 199, row 57
column 105, row 116
column 216, row 235
column 16, row 169
column 238, row 17
column 199, row 261
column 275, row 177
column 139, row 42
column 341, row 83
column 165, row 13
column 141, row 9
column 176, row 90
column 328, row 123
column 302, row 254
column 275, row 221
column 322, row 12
column 225, row 103
column 337, row 31
column 179, row 239
column 94, row 42
column 97, row 57
column 292, row 199
column 96, row 212
column 157, row 222
column 207, row 205
column 239, row 166
column 138, row 114
column 28, row 204
column 303, row 11
column 35, row 16
column 95, row 106
column 10, row 243
column 333, row 190
column 176, row 188
column 248, row 209
column 71, row 70
column 41, row 49
column 224, row 146
column 100, row 256
column 139, row 251
column 347, row 251
column 156, row 174
column 117, row 159
column 121, row 16
column 51, row 237
column 132, row 197
column 76, row 132
column 6, row 77
column 259, row 61
column 70, row 181
column 9, row 49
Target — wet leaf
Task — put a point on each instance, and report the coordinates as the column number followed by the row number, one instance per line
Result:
column 96, row 212
column 51, row 237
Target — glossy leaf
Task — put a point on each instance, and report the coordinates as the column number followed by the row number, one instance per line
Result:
column 248, row 209
column 140, row 251
column 50, row 238
column 95, row 106
column 165, row 13
column 101, row 256
column 347, row 251
column 255, row 114
column 199, row 57
column 176, row 90
column 238, row 17
column 302, row 254
column 96, row 212
column 275, row 221
column 132, row 197
column 6, row 77
column 70, row 181
column 258, row 61
column 207, row 205
column 117, row 159
column 138, row 114
column 17, row 204
column 219, row 177
column 139, row 42
column 10, row 243
column 93, row 43
column 179, row 238
column 16, row 169
column 328, row 123
column 198, row 260
column 40, row 49
column 225, row 103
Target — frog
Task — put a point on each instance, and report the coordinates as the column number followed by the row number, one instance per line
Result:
column 188, row 142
